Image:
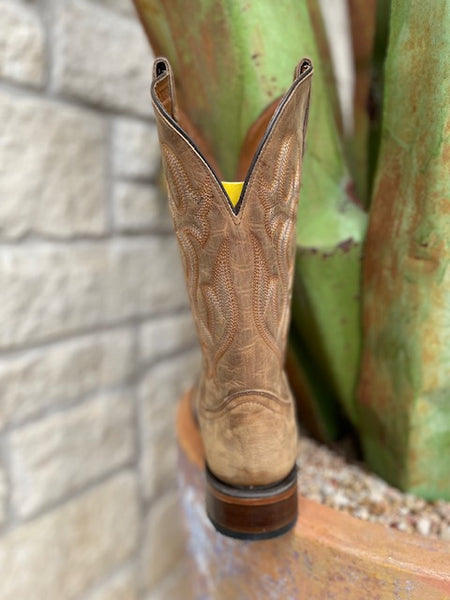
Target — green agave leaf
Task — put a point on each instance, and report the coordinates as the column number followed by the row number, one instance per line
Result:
column 323, row 281
column 404, row 390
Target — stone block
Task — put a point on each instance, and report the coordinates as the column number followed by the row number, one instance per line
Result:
column 22, row 56
column 58, row 455
column 135, row 149
column 164, row 335
column 148, row 277
column 101, row 57
column 52, row 160
column 3, row 495
column 53, row 291
column 138, row 206
column 58, row 373
column 62, row 554
column 159, row 393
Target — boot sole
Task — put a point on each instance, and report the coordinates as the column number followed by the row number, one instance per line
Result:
column 253, row 513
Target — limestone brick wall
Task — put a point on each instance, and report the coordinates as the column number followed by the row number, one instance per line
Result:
column 96, row 338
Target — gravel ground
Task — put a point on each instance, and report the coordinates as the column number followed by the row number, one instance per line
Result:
column 326, row 476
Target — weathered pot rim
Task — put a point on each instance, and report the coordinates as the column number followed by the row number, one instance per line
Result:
column 383, row 548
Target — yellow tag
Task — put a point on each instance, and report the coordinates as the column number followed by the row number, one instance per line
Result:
column 233, row 189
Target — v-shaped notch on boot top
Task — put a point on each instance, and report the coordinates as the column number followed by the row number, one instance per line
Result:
column 164, row 102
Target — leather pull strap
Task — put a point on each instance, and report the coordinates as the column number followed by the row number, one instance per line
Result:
column 302, row 67
column 165, row 86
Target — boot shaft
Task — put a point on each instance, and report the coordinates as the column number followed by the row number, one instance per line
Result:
column 238, row 260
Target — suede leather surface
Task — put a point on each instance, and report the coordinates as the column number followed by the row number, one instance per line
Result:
column 239, row 266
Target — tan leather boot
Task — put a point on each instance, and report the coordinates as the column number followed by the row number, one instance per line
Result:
column 239, row 264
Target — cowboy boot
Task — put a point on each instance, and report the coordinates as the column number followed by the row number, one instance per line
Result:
column 238, row 258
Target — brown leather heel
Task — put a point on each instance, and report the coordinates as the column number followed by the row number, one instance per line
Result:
column 252, row 513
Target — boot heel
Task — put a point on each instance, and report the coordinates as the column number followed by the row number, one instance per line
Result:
column 252, row 513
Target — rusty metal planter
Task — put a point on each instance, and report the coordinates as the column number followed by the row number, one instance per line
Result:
column 329, row 554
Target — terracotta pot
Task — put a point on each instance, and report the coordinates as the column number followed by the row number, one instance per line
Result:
column 328, row 554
